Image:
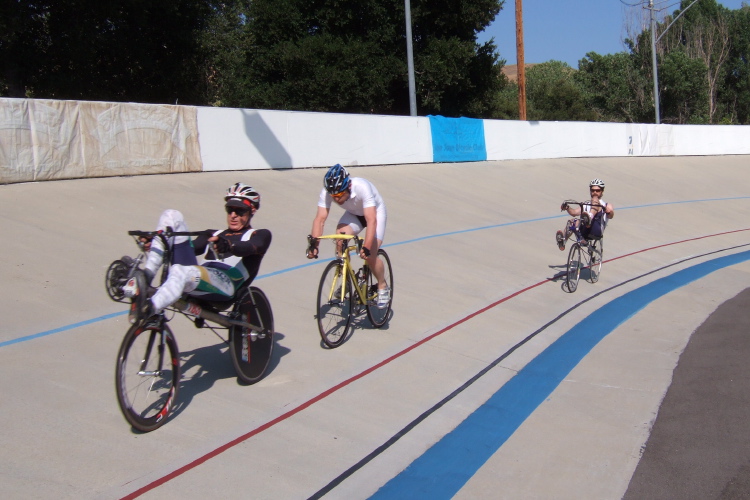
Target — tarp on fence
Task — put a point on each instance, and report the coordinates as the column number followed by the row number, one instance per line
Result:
column 45, row 139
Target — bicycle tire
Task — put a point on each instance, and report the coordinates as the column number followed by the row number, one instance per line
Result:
column 251, row 357
column 596, row 255
column 116, row 278
column 146, row 391
column 573, row 273
column 334, row 314
column 378, row 317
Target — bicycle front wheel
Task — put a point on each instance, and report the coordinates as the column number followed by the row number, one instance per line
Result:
column 147, row 376
column 574, row 268
column 117, row 277
column 378, row 316
column 251, row 352
column 334, row 305
column 596, row 255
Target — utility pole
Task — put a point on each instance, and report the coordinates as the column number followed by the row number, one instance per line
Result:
column 520, row 65
column 410, row 61
column 654, row 39
column 653, row 59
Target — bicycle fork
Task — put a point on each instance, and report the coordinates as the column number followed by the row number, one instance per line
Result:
column 158, row 371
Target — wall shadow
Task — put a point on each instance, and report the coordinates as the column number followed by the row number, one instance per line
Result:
column 265, row 141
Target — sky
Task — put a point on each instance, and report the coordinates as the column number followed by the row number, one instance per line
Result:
column 565, row 30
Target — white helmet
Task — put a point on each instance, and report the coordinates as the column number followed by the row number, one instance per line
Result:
column 242, row 195
column 597, row 182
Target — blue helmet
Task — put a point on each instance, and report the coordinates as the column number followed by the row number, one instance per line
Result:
column 336, row 179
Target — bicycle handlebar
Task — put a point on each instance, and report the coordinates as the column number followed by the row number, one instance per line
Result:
column 168, row 233
column 312, row 242
column 143, row 238
column 579, row 203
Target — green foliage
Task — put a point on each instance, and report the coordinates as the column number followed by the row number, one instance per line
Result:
column 89, row 49
column 614, row 88
column 345, row 56
column 224, row 45
column 23, row 36
column 553, row 94
column 505, row 102
column 684, row 94
column 734, row 96
column 329, row 55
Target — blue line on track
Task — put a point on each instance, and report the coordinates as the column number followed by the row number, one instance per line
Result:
column 405, row 242
column 61, row 329
column 444, row 469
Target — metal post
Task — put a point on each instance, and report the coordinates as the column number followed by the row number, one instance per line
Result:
column 653, row 59
column 520, row 65
column 410, row 61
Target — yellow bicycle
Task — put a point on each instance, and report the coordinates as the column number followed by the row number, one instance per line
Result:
column 343, row 293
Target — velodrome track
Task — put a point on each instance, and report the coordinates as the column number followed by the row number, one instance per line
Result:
column 524, row 390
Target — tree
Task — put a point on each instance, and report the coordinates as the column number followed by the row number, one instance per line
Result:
column 734, row 96
column 614, row 88
column 327, row 55
column 553, row 94
column 224, row 52
column 505, row 100
column 23, row 35
column 89, row 49
column 702, row 33
column 685, row 94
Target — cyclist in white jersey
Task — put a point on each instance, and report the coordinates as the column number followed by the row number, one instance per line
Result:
column 214, row 265
column 364, row 209
column 597, row 212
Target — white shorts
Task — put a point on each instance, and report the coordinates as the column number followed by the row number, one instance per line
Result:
column 357, row 223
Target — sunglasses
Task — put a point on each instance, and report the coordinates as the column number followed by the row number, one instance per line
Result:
column 241, row 212
column 339, row 195
column 596, row 190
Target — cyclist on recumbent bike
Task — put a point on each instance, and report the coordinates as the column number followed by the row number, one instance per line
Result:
column 593, row 216
column 212, row 267
column 364, row 209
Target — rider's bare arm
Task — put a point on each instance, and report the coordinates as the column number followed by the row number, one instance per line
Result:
column 610, row 210
column 319, row 222
column 317, row 230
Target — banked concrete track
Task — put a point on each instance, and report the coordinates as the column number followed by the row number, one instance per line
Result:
column 489, row 380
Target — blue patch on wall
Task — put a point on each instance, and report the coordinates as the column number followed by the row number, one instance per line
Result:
column 457, row 139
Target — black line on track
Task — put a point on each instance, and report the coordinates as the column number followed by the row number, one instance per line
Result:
column 380, row 449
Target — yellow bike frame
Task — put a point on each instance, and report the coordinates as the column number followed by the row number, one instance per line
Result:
column 347, row 269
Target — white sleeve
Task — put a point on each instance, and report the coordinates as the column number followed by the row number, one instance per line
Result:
column 368, row 197
column 324, row 200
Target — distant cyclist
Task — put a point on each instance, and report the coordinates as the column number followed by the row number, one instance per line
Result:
column 593, row 216
column 364, row 209
column 214, row 265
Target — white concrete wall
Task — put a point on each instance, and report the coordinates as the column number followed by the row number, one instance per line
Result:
column 244, row 139
column 236, row 139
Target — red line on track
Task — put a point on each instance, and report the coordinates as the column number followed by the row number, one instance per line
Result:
column 221, row 449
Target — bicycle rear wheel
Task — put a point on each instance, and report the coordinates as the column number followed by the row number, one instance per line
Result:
column 596, row 255
column 334, row 306
column 251, row 353
column 378, row 316
column 147, row 376
column 574, row 268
